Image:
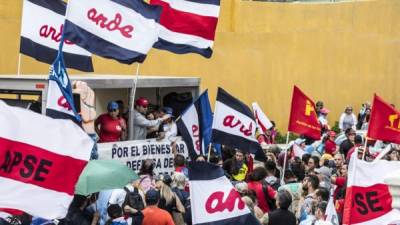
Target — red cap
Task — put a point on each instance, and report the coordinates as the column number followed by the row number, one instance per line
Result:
column 142, row 102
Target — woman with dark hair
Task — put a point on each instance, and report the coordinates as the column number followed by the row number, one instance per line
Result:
column 265, row 193
column 77, row 215
column 110, row 126
column 312, row 164
column 146, row 174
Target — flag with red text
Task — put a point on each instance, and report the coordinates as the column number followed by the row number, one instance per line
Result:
column 214, row 200
column 41, row 160
column 384, row 123
column 188, row 26
column 41, row 30
column 368, row 200
column 117, row 29
column 303, row 118
column 234, row 125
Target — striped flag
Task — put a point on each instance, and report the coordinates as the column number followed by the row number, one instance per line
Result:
column 195, row 126
column 117, row 29
column 188, row 26
column 60, row 104
column 368, row 199
column 41, row 31
column 234, row 125
column 214, row 200
column 262, row 120
column 41, row 160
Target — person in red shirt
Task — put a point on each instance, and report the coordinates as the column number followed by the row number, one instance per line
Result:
column 330, row 145
column 256, row 180
column 110, row 126
column 152, row 215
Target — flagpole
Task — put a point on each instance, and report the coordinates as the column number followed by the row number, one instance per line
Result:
column 132, row 100
column 19, row 65
column 209, row 153
column 365, row 148
column 284, row 159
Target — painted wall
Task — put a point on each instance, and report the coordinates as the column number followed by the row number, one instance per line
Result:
column 340, row 53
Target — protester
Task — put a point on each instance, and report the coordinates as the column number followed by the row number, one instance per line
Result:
column 310, row 185
column 282, row 216
column 169, row 201
column 320, row 214
column 140, row 123
column 152, row 215
column 110, row 126
column 77, row 214
column 294, row 188
column 323, row 120
column 357, row 143
column 169, row 128
column 237, row 167
column 117, row 217
column 312, row 164
column 347, row 144
column 271, row 179
column 265, row 194
column 180, row 185
column 347, row 119
column 318, row 106
column 130, row 195
column 330, row 146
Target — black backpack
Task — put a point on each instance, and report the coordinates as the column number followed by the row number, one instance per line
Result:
column 133, row 199
column 270, row 201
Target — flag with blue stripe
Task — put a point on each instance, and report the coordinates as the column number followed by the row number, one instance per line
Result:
column 195, row 125
column 117, row 29
column 60, row 104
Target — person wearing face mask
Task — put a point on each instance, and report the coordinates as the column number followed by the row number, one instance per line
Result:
column 110, row 126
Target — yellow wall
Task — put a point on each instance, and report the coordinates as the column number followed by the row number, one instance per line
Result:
column 341, row 53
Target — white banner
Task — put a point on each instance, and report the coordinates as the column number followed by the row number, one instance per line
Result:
column 132, row 153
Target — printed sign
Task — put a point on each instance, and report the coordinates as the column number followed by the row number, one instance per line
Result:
column 132, row 153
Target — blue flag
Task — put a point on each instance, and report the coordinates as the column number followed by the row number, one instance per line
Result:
column 60, row 104
column 195, row 125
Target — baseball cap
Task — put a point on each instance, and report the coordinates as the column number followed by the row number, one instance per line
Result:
column 152, row 197
column 169, row 111
column 142, row 102
column 324, row 111
column 324, row 171
column 112, row 106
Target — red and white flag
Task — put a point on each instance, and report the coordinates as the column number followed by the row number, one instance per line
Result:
column 188, row 26
column 384, row 123
column 368, row 200
column 262, row 120
column 41, row 160
column 303, row 118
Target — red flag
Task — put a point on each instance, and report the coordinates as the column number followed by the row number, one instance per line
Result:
column 303, row 118
column 384, row 123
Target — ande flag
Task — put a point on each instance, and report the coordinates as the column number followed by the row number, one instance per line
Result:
column 303, row 118
column 368, row 200
column 234, row 125
column 195, row 125
column 384, row 123
column 41, row 30
column 188, row 26
column 214, row 200
column 117, row 29
column 41, row 160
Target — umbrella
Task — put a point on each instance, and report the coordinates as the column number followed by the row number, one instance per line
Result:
column 101, row 175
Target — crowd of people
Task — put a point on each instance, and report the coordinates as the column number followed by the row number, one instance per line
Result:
column 287, row 188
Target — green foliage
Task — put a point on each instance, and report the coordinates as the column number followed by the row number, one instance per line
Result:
column 281, row 139
column 336, row 127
